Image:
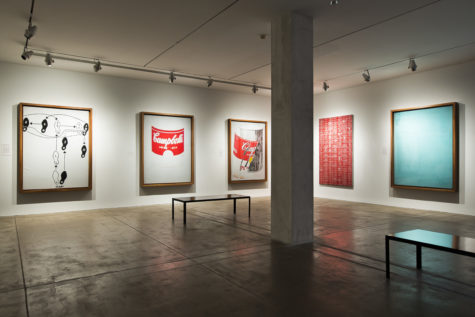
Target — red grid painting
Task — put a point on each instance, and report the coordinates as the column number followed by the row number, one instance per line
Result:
column 336, row 151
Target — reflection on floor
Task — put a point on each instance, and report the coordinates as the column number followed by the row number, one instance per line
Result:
column 138, row 262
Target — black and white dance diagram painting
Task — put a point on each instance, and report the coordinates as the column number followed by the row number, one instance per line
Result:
column 55, row 148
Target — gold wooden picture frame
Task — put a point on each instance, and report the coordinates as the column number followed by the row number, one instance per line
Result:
column 166, row 149
column 54, row 148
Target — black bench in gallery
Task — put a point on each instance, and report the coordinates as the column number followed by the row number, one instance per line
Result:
column 195, row 199
column 434, row 240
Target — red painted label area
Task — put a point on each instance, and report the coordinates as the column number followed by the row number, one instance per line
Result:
column 168, row 140
column 244, row 149
column 336, row 151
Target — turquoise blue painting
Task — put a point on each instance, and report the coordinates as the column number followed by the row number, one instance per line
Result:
column 423, row 148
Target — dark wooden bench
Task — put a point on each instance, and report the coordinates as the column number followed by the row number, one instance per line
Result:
column 434, row 240
column 195, row 199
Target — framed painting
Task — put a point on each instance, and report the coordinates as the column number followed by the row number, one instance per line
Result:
column 167, row 149
column 336, row 151
column 424, row 148
column 55, row 148
column 247, row 155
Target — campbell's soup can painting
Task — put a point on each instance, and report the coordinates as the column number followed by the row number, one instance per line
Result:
column 247, row 152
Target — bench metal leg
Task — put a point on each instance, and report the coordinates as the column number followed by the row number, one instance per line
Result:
column 184, row 213
column 173, row 209
column 234, row 205
column 249, row 207
column 419, row 257
column 387, row 257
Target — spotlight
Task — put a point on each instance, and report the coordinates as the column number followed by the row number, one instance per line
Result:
column 366, row 76
column 334, row 2
column 254, row 89
column 325, row 86
column 30, row 31
column 412, row 64
column 171, row 78
column 210, row 82
column 49, row 60
column 97, row 66
column 26, row 54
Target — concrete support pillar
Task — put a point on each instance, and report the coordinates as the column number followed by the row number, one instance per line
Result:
column 292, row 129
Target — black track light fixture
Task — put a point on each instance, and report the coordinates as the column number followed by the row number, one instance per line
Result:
column 366, row 76
column 97, row 66
column 171, row 78
column 325, row 86
column 26, row 54
column 210, row 82
column 49, row 60
column 254, row 89
column 412, row 64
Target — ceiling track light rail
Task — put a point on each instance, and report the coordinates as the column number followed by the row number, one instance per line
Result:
column 367, row 76
column 148, row 70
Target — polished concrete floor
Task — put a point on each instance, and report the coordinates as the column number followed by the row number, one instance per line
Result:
column 138, row 262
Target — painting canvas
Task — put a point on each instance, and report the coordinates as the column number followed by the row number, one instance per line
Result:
column 424, row 148
column 55, row 148
column 336, row 151
column 166, row 149
column 247, row 155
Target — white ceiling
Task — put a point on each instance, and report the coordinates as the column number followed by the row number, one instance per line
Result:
column 206, row 39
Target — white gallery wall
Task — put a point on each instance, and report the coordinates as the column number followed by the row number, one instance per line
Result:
column 371, row 105
column 116, row 104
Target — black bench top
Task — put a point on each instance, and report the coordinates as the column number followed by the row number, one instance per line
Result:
column 436, row 240
column 209, row 198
